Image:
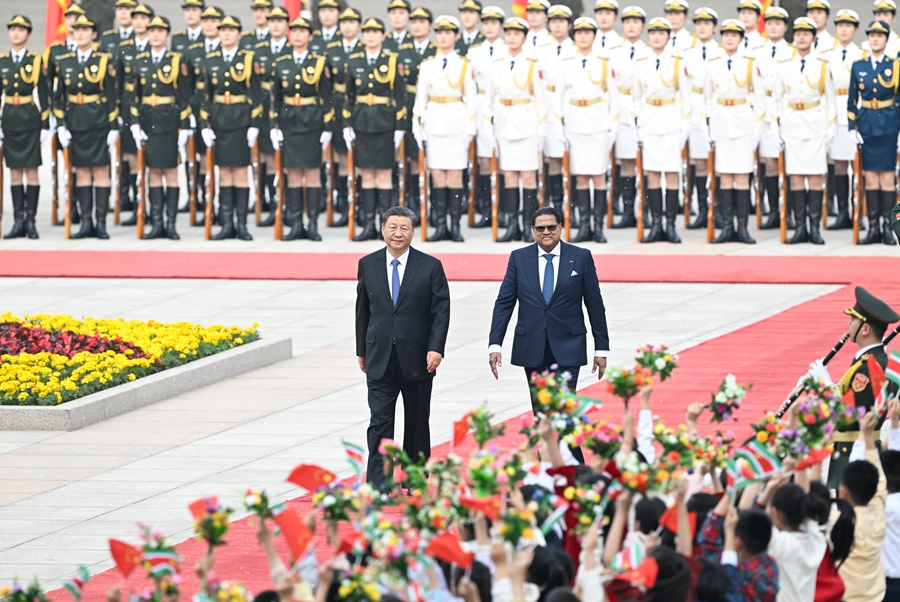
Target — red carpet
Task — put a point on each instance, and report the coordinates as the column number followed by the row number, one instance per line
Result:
column 459, row 266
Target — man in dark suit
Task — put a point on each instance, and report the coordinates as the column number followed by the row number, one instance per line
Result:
column 402, row 317
column 550, row 280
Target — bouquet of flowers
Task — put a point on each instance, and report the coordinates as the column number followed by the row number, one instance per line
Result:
column 394, row 546
column 335, row 501
column 713, row 451
column 19, row 593
column 359, row 585
column 512, row 470
column 815, row 421
column 624, row 383
column 483, row 431
column 586, row 504
column 430, row 516
column 516, row 524
column 257, row 502
column 846, row 416
column 484, row 466
column 602, row 438
column 658, row 360
column 767, row 429
column 395, row 457
column 635, row 474
column 224, row 591
column 677, row 447
column 160, row 558
column 727, row 399
column 789, row 442
column 562, row 407
column 213, row 525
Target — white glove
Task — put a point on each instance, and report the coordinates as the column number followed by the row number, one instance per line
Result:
column 65, row 136
column 1, row 134
column 138, row 134
column 53, row 123
column 120, row 122
column 856, row 136
column 419, row 135
column 637, row 136
column 349, row 136
column 684, row 137
column 828, row 141
column 193, row 122
column 542, row 144
column 183, row 137
column 564, row 140
column 209, row 136
column 755, row 141
column 708, row 135
column 45, row 135
column 611, row 139
column 276, row 136
column 324, row 139
column 111, row 138
column 399, row 135
column 778, row 138
column 898, row 141
column 817, row 370
column 252, row 135
column 495, row 144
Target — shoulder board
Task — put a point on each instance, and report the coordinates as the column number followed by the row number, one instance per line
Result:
column 357, row 55
column 425, row 60
column 568, row 58
column 405, row 46
column 821, row 59
column 750, row 58
column 248, row 33
column 787, row 60
column 5, row 55
column 242, row 52
column 619, row 45
column 432, row 45
column 475, row 45
column 865, row 56
column 110, row 31
column 532, row 59
column 284, row 57
column 143, row 55
column 317, row 32
column 127, row 42
column 499, row 58
column 57, row 44
column 195, row 45
column 214, row 54
column 712, row 58
column 263, row 44
column 386, row 52
column 67, row 55
column 335, row 44
column 645, row 58
column 180, row 32
column 102, row 53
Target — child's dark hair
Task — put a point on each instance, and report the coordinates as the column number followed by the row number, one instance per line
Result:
column 701, row 503
column 797, row 506
column 890, row 464
column 480, row 576
column 844, row 528
column 713, row 581
column 861, row 480
column 562, row 594
column 673, row 582
column 550, row 568
column 754, row 529
column 647, row 512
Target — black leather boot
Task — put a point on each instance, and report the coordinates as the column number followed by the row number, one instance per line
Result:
column 842, row 193
column 815, row 216
column 692, row 180
column 383, row 199
column 127, row 205
column 583, row 202
column 200, row 215
column 171, row 206
column 529, row 206
column 873, row 210
column 628, row 220
column 457, row 204
column 242, row 210
column 101, row 208
column 155, row 196
column 599, row 214
column 616, row 202
column 32, row 193
column 484, row 202
column 73, row 208
column 717, row 213
column 742, row 207
column 798, row 204
column 313, row 207
column 789, row 212
column 341, row 202
column 294, row 207
column 654, row 204
column 773, row 219
column 84, row 196
column 888, row 200
column 18, row 201
column 412, row 200
column 725, row 202
column 269, row 205
column 702, row 202
column 511, row 210
column 367, row 211
column 832, row 191
column 554, row 190
column 439, row 197
column 672, row 213
column 226, row 213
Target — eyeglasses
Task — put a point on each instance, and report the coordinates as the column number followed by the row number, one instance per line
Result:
column 541, row 229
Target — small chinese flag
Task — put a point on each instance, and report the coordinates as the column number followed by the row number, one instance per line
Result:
column 489, row 506
column 446, row 547
column 876, row 375
column 816, row 456
column 669, row 519
column 125, row 555
column 644, row 575
column 201, row 507
column 460, row 430
column 348, row 542
column 298, row 535
column 310, row 476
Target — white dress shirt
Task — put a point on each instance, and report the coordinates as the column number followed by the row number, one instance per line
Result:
column 261, row 34
column 299, row 58
column 372, row 56
column 211, row 45
column 157, row 56
column 84, row 56
column 328, row 34
column 421, row 47
column 194, row 34
column 124, row 33
column 17, row 56
column 875, row 61
column 468, row 38
column 401, row 269
column 141, row 45
column 227, row 55
column 349, row 45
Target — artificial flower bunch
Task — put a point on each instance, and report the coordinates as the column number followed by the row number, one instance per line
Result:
column 224, row 591
column 727, row 399
column 677, row 447
column 483, row 470
column 429, row 516
column 815, row 421
column 159, row 558
column 257, row 502
column 586, row 504
column 790, row 443
column 335, row 501
column 19, row 593
column 516, row 524
column 359, row 585
column 658, row 360
column 767, row 428
column 213, row 525
column 635, row 474
column 603, row 438
column 480, row 421
column 714, row 451
column 625, row 383
column 394, row 546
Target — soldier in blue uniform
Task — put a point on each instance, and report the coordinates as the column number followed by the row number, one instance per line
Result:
column 874, row 123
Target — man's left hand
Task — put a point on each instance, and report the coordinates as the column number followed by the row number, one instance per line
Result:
column 599, row 366
column 434, row 360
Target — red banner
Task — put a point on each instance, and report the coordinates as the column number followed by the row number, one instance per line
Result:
column 55, row 25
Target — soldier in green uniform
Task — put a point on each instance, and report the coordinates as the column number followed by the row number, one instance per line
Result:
column 265, row 53
column 233, row 95
column 375, row 116
column 26, row 126
column 158, row 106
column 869, row 320
column 183, row 39
column 260, row 11
column 328, row 13
column 398, row 15
column 469, row 18
column 124, row 29
column 84, row 104
column 305, row 118
column 337, row 52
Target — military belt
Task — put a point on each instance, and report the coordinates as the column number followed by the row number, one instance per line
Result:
column 301, row 101
column 874, row 105
column 697, row 89
column 585, row 102
column 342, row 88
column 851, row 436
column 731, row 102
column 658, row 102
column 371, row 99
column 83, row 99
column 15, row 99
column 229, row 99
column 509, row 102
column 841, row 91
column 154, row 101
column 444, row 99
column 802, row 106
column 624, row 90
column 410, row 89
column 551, row 88
column 770, row 92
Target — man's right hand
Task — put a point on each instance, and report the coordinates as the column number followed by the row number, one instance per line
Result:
column 362, row 363
column 495, row 360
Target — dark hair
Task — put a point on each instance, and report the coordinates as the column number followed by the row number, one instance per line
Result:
column 269, row 595
column 701, row 503
column 818, row 489
column 713, row 581
column 547, row 210
column 795, row 505
column 550, row 568
column 562, row 594
column 673, row 582
column 861, row 480
column 479, row 575
column 754, row 529
column 878, row 329
column 648, row 513
column 890, row 464
column 844, row 529
column 399, row 212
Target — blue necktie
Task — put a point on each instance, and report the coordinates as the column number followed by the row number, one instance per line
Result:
column 548, row 279
column 395, row 282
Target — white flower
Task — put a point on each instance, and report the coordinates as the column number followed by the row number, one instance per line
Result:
column 328, row 501
column 730, row 381
column 660, row 363
column 721, row 397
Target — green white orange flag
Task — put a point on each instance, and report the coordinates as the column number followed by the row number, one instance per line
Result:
column 75, row 585
column 356, row 456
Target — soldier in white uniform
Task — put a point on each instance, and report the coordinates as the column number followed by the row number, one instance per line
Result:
column 605, row 14
column 676, row 14
column 748, row 15
column 696, row 60
column 818, row 11
column 536, row 15
column 843, row 149
column 735, row 105
column 481, row 55
column 886, row 10
column 443, row 123
column 622, row 60
column 806, row 117
column 517, row 109
column 587, row 109
column 661, row 100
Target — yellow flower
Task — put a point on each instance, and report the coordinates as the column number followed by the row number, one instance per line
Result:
column 762, row 437
column 544, row 397
column 527, row 533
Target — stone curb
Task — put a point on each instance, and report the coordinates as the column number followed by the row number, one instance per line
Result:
column 124, row 398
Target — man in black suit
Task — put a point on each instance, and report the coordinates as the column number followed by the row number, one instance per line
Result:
column 550, row 280
column 402, row 317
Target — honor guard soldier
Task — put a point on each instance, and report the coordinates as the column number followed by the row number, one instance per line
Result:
column 305, row 123
column 676, row 14
column 886, row 11
column 375, row 116
column 443, row 124
column 518, row 111
column 259, row 9
column 469, row 18
column 818, row 11
column 124, row 30
column 26, row 123
column 869, row 319
column 185, row 38
column 805, row 111
column 481, row 55
column 874, row 124
column 265, row 54
column 398, row 16
column 696, row 61
column 660, row 95
column 748, row 14
column 550, row 54
column 605, row 14
column 328, row 12
column 125, row 55
column 622, row 61
column 338, row 52
column 231, row 121
column 588, row 113
column 84, row 104
column 57, row 49
column 536, row 14
column 843, row 149
column 735, row 106
column 159, row 113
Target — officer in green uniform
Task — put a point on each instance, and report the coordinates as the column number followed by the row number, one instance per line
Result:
column 469, row 18
column 85, row 106
column 231, row 121
column 160, row 105
column 305, row 122
column 398, row 16
column 869, row 320
column 265, row 54
column 375, row 117
column 124, row 29
column 182, row 39
column 328, row 13
column 26, row 125
column 260, row 11
column 338, row 52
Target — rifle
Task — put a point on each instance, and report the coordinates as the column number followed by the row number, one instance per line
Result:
column 279, row 176
column 611, row 185
column 54, row 178
column 686, row 184
column 423, row 195
column 401, row 173
column 351, row 193
column 566, row 195
column 192, row 179
column 825, row 201
column 495, row 194
column 210, row 192
column 258, row 178
column 639, row 173
column 67, row 186
column 758, row 182
column 327, row 156
column 473, row 181
column 711, row 209
column 798, row 390
column 1, row 184
column 116, row 169
column 858, row 176
column 542, row 173
column 139, row 200
column 782, row 194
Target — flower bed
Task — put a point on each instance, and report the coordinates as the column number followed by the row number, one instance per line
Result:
column 52, row 359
